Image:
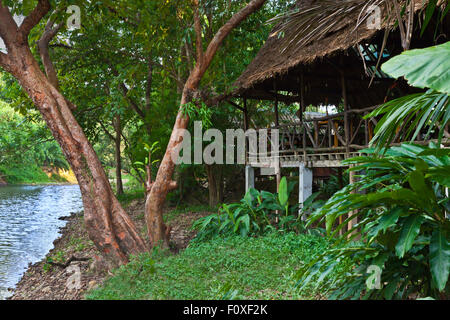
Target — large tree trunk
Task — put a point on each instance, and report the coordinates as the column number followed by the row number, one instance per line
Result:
column 108, row 225
column 117, row 142
column 158, row 232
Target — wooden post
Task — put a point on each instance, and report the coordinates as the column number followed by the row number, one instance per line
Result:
column 366, row 130
column 346, row 122
column 277, row 124
column 277, row 119
column 336, row 140
column 316, row 132
column 302, row 110
column 246, row 127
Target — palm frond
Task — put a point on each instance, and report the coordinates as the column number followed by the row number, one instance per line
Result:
column 411, row 113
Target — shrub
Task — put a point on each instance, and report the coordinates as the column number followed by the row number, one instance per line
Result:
column 257, row 213
column 404, row 229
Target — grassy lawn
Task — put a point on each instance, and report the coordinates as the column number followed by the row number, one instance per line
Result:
column 248, row 268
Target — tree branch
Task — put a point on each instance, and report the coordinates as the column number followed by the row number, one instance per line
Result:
column 107, row 132
column 219, row 37
column 198, row 33
column 43, row 45
column 149, row 84
column 123, row 88
column 8, row 27
column 42, row 8
column 226, row 29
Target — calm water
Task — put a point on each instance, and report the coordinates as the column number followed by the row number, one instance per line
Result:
column 29, row 223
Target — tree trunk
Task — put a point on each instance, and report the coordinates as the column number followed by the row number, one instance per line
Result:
column 108, row 225
column 157, row 230
column 215, row 184
column 117, row 141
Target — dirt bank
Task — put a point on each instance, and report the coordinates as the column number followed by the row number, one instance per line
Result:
column 53, row 278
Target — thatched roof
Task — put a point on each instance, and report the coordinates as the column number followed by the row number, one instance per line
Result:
column 280, row 66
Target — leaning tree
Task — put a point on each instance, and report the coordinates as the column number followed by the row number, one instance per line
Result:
column 158, row 232
column 108, row 225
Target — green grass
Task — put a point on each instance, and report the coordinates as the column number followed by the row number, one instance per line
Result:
column 172, row 214
column 25, row 174
column 130, row 195
column 252, row 268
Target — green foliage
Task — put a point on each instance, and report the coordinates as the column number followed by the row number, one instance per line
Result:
column 25, row 147
column 401, row 202
column 27, row 174
column 333, row 185
column 416, row 111
column 258, row 212
column 223, row 268
column 185, row 209
column 198, row 111
column 423, row 68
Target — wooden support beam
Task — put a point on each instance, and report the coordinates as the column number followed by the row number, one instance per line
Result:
column 277, row 118
column 346, row 120
column 302, row 110
column 246, row 120
column 246, row 127
column 236, row 105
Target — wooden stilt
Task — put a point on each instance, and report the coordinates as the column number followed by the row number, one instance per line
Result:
column 346, row 120
column 302, row 109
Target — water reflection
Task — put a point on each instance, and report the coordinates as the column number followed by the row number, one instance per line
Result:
column 29, row 223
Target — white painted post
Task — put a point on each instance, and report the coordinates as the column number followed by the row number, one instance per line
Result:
column 249, row 177
column 305, row 185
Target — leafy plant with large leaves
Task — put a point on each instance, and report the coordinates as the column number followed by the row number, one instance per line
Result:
column 401, row 199
column 401, row 202
column 423, row 68
column 256, row 213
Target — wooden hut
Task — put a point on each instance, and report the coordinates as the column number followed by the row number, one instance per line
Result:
column 336, row 68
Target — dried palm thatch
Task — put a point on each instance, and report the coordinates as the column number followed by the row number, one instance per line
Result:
column 316, row 29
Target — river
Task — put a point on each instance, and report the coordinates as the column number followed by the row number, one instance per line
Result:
column 29, row 223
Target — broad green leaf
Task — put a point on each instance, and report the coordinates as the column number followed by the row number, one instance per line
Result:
column 409, row 232
column 390, row 218
column 439, row 258
column 423, row 68
column 283, row 195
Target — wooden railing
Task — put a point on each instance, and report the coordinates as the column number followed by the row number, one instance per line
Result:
column 322, row 138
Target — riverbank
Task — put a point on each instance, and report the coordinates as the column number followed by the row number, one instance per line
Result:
column 221, row 268
column 35, row 175
column 50, row 279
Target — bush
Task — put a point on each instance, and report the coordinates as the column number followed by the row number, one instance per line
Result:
column 257, row 213
column 403, row 225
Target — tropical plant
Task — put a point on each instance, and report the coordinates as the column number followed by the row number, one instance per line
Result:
column 402, row 203
column 257, row 213
column 333, row 185
column 423, row 68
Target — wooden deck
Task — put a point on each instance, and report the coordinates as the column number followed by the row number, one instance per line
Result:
column 319, row 142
